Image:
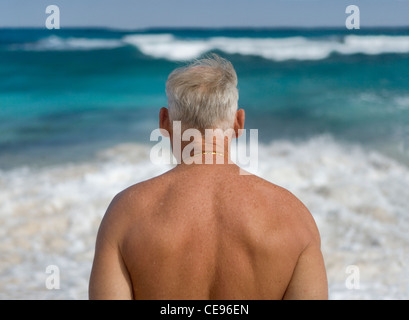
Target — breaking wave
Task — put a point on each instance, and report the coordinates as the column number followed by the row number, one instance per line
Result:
column 168, row 46
column 50, row 216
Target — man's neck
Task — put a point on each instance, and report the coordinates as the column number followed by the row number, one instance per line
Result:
column 204, row 151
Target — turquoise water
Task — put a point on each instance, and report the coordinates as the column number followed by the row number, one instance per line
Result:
column 77, row 108
column 67, row 93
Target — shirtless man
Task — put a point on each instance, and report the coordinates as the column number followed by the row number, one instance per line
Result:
column 205, row 231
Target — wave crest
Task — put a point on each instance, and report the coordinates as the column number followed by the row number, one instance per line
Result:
column 358, row 199
column 55, row 43
column 168, row 46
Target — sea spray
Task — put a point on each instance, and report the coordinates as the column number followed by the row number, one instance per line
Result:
column 50, row 216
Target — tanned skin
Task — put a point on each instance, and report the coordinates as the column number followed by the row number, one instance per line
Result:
column 205, row 231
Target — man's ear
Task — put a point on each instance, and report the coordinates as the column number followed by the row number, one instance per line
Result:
column 239, row 122
column 164, row 122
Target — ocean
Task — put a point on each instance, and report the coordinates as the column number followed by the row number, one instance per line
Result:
column 77, row 107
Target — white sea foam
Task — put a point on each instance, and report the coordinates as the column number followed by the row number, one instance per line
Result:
column 168, row 46
column 402, row 102
column 55, row 43
column 50, row 216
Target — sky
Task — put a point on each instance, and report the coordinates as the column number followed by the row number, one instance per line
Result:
column 140, row 14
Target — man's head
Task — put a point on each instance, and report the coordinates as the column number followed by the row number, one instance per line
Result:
column 203, row 95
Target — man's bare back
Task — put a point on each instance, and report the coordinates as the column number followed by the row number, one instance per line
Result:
column 204, row 230
column 207, row 232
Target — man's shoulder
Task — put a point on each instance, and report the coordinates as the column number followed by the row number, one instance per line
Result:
column 272, row 191
column 128, row 205
column 288, row 206
column 139, row 195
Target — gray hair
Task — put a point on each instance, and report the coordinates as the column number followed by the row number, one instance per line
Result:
column 204, row 94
